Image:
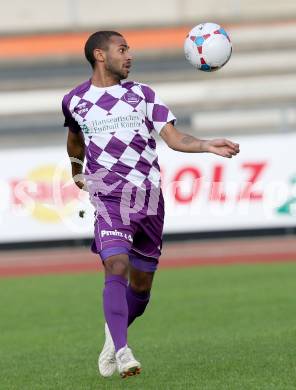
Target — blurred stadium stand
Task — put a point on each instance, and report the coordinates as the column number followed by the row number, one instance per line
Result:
column 73, row 15
column 254, row 93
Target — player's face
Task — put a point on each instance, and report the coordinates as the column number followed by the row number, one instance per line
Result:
column 118, row 59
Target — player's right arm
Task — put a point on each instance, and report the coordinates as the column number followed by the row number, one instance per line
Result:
column 76, row 152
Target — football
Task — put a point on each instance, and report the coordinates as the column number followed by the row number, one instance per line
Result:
column 208, row 47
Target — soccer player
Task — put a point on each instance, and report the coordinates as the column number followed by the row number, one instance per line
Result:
column 112, row 123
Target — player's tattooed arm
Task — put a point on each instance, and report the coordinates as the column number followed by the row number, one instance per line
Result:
column 188, row 139
column 76, row 153
column 182, row 142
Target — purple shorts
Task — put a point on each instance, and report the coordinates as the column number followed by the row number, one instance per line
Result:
column 138, row 234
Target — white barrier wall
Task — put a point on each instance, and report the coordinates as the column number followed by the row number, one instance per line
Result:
column 35, row 15
column 257, row 189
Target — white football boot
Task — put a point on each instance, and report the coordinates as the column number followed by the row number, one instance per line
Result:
column 127, row 365
column 107, row 362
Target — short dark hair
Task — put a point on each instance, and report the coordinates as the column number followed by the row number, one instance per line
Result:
column 98, row 40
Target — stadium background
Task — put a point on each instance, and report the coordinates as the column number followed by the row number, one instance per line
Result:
column 249, row 216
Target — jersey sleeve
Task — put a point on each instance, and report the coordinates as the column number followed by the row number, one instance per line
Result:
column 69, row 120
column 158, row 113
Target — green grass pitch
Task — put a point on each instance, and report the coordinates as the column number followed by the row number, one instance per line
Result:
column 207, row 328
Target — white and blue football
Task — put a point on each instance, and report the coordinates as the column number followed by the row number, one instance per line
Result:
column 208, row 47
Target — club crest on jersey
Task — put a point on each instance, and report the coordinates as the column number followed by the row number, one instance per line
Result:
column 82, row 108
column 131, row 98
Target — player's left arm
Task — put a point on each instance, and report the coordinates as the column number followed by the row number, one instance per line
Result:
column 182, row 142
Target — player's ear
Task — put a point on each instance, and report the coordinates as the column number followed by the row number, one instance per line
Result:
column 99, row 55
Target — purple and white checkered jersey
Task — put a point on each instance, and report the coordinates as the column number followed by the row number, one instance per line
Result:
column 118, row 124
